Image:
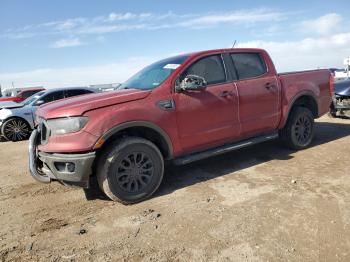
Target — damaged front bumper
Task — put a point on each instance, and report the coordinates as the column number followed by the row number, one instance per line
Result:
column 341, row 102
column 70, row 169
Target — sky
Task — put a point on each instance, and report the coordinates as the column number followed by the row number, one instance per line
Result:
column 74, row 43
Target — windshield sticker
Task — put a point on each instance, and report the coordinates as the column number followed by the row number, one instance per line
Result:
column 171, row 66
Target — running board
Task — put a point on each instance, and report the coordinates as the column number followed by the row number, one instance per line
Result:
column 223, row 149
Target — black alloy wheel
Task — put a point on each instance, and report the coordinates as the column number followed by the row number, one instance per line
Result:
column 134, row 172
column 298, row 132
column 302, row 129
column 130, row 169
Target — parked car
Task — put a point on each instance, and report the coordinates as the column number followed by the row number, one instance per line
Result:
column 341, row 98
column 23, row 95
column 183, row 109
column 17, row 119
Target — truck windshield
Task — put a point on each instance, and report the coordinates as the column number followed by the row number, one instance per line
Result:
column 155, row 74
column 33, row 98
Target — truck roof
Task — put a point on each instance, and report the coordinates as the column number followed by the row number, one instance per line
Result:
column 49, row 90
column 32, row 89
column 226, row 50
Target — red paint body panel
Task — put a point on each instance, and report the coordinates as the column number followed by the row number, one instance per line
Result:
column 200, row 119
column 21, row 96
column 315, row 83
column 81, row 141
column 205, row 118
column 79, row 105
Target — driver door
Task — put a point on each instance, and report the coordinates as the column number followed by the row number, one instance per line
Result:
column 210, row 116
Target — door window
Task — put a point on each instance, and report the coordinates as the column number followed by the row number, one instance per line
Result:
column 211, row 68
column 248, row 65
column 53, row 96
column 77, row 92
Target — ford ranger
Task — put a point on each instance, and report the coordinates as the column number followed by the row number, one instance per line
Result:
column 183, row 109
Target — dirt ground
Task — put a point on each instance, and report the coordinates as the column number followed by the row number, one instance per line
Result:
column 263, row 203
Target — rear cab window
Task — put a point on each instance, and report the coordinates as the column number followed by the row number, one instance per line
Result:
column 211, row 68
column 248, row 65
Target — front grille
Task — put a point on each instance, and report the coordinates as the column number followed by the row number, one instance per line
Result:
column 44, row 133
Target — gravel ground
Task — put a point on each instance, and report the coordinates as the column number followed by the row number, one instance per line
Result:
column 263, row 203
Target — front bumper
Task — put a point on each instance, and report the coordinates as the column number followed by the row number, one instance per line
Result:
column 70, row 169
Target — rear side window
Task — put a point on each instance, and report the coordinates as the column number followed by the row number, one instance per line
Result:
column 210, row 68
column 53, row 96
column 77, row 92
column 248, row 65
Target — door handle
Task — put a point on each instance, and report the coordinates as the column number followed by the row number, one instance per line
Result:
column 226, row 93
column 270, row 86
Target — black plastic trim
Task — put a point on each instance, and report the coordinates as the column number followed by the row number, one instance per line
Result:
column 83, row 167
column 291, row 104
column 223, row 149
column 150, row 125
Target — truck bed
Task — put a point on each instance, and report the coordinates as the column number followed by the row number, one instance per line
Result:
column 316, row 82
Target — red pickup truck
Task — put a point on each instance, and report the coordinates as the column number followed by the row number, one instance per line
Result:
column 183, row 109
column 23, row 95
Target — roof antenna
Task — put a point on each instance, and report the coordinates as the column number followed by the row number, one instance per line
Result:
column 234, row 43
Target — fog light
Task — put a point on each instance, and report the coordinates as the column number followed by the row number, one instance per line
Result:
column 70, row 167
column 65, row 167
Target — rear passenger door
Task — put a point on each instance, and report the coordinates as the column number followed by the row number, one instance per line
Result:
column 209, row 116
column 258, row 93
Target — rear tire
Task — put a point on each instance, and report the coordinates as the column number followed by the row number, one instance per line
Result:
column 299, row 130
column 15, row 129
column 130, row 170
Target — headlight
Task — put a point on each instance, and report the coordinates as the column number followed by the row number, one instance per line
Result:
column 61, row 126
column 5, row 113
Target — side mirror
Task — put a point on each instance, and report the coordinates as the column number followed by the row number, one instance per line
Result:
column 192, row 82
column 39, row 102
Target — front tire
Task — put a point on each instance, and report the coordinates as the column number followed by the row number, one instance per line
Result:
column 299, row 129
column 130, row 170
column 15, row 129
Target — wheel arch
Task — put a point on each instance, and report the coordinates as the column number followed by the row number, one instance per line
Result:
column 305, row 99
column 144, row 129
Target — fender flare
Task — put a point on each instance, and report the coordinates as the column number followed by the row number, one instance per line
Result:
column 295, row 98
column 146, row 124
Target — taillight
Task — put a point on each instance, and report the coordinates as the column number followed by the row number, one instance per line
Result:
column 331, row 84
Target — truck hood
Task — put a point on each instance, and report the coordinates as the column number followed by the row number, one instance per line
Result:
column 79, row 105
column 342, row 88
column 10, row 105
